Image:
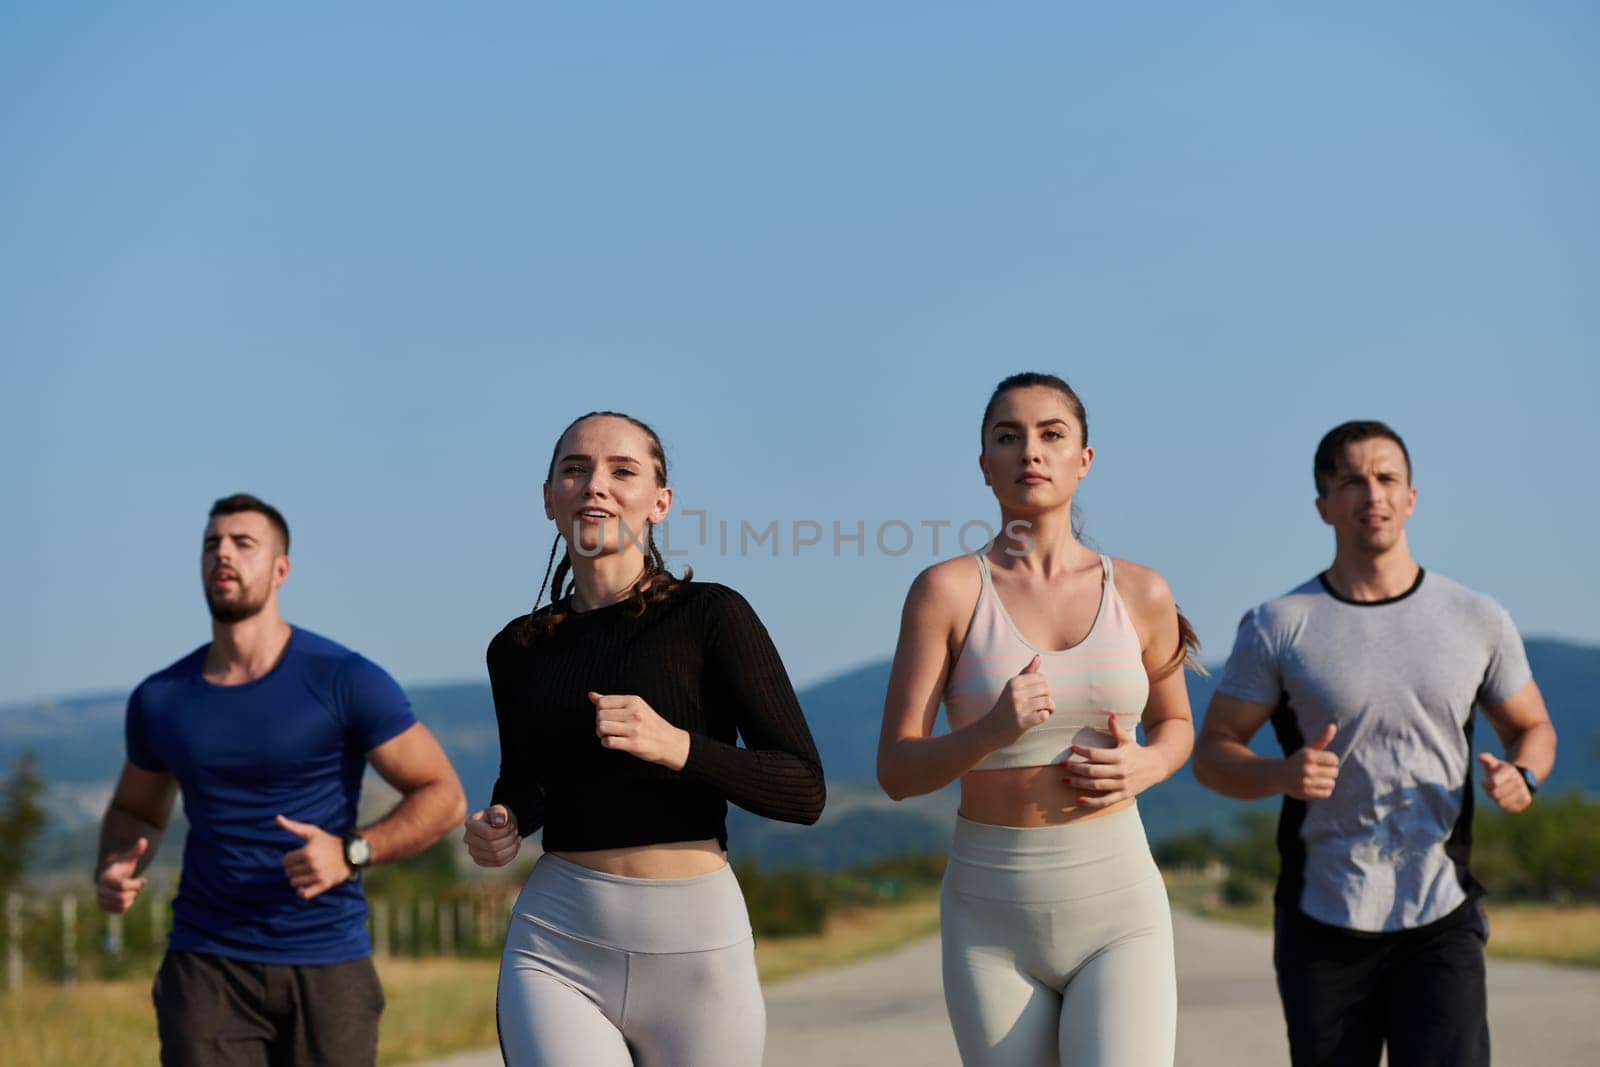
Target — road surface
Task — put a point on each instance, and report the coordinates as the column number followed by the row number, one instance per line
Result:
column 889, row 1010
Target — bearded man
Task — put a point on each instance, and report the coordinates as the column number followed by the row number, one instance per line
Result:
column 266, row 731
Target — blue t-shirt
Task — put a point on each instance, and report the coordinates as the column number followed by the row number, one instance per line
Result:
column 292, row 742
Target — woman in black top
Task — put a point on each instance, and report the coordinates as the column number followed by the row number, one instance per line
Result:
column 619, row 706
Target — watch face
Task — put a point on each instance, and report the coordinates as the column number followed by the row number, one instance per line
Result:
column 357, row 853
column 1527, row 776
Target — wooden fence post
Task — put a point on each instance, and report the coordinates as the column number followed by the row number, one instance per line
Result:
column 447, row 928
column 403, row 943
column 380, row 928
column 156, row 891
column 69, row 939
column 113, row 944
column 466, row 927
column 13, row 941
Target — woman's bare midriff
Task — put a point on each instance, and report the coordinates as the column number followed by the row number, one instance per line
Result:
column 1025, row 796
column 672, row 859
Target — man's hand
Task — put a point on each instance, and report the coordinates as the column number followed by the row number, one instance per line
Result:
column 491, row 836
column 1504, row 784
column 117, row 888
column 1311, row 772
column 630, row 725
column 1108, row 775
column 319, row 865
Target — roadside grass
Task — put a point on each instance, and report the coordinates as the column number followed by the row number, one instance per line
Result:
column 1556, row 933
column 91, row 1022
column 441, row 1006
column 435, row 1006
column 1552, row 933
column 849, row 935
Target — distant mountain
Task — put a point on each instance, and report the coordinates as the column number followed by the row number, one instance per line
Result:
column 845, row 712
column 78, row 742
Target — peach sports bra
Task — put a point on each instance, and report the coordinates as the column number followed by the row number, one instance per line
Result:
column 1099, row 676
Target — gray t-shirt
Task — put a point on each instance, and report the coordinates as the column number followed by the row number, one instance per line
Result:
column 1399, row 678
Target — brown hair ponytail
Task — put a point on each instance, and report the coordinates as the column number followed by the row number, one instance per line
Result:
column 1187, row 654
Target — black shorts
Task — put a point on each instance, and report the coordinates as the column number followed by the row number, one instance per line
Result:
column 1346, row 993
column 217, row 1012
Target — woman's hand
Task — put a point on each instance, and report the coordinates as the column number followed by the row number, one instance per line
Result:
column 491, row 836
column 1024, row 703
column 628, row 724
column 1106, row 776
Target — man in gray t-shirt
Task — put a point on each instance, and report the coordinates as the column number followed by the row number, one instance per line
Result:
column 1369, row 674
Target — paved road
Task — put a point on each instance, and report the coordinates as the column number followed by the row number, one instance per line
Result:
column 889, row 1010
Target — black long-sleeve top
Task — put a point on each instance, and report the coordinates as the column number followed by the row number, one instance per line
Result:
column 704, row 662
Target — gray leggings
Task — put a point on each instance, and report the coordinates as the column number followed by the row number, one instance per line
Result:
column 609, row 971
column 1058, row 946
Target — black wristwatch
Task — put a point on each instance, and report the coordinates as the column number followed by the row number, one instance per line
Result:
column 357, row 854
column 1529, row 777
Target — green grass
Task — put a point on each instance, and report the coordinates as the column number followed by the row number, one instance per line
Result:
column 849, row 935
column 434, row 1006
column 1552, row 933
column 440, row 1006
column 1557, row 933
column 92, row 1022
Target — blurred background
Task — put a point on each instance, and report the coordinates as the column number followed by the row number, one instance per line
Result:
column 367, row 261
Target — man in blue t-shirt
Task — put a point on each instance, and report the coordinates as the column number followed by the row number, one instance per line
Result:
column 1369, row 673
column 266, row 732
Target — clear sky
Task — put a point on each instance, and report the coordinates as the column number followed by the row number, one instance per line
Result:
column 366, row 260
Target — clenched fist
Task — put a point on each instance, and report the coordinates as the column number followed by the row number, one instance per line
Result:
column 117, row 887
column 1024, row 703
column 630, row 725
column 492, row 837
column 1504, row 784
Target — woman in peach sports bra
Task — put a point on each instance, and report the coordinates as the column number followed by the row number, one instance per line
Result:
column 1047, row 656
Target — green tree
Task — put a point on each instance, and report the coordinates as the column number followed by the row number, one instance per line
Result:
column 431, row 872
column 785, row 903
column 1551, row 851
column 22, row 818
column 1252, row 851
column 1188, row 851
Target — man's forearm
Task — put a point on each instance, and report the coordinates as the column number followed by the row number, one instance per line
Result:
column 1230, row 768
column 421, row 818
column 1535, row 749
column 120, row 830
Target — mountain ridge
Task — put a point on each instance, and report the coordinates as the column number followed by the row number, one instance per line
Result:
column 78, row 743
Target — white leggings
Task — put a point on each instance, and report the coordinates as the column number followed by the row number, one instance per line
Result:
column 1058, row 946
column 606, row 971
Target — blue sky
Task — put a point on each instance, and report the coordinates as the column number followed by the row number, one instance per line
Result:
column 367, row 260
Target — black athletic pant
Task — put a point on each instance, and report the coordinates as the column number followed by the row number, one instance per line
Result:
column 217, row 1012
column 1345, row 993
